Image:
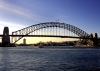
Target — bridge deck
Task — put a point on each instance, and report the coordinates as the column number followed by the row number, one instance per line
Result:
column 45, row 36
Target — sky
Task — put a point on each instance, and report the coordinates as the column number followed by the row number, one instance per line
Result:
column 18, row 14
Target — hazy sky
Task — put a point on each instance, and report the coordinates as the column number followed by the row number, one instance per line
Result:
column 17, row 14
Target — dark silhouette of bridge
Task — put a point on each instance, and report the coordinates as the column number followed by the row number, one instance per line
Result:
column 48, row 29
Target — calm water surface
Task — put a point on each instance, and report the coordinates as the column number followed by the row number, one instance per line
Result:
column 49, row 59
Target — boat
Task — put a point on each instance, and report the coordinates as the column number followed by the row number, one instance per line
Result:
column 40, row 46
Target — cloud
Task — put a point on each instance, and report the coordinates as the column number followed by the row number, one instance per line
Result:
column 12, row 26
column 18, row 10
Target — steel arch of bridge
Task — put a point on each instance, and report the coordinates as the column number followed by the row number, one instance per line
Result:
column 30, row 29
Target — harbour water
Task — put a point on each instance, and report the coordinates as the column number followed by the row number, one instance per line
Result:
column 31, row 58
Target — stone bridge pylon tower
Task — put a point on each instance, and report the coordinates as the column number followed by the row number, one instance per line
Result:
column 6, row 37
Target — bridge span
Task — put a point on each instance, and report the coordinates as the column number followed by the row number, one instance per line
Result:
column 47, row 29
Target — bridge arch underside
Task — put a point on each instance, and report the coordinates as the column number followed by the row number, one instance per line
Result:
column 33, row 28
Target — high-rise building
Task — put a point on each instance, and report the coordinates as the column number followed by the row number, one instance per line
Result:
column 91, row 35
column 95, row 35
column 24, row 41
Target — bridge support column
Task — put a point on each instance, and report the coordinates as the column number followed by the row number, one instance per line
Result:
column 6, row 38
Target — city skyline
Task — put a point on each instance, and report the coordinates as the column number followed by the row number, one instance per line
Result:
column 83, row 14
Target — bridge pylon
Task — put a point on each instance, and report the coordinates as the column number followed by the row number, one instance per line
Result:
column 6, row 37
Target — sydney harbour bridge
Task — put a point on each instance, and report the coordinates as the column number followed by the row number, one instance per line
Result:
column 47, row 29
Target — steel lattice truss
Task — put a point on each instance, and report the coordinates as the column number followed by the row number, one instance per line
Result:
column 30, row 29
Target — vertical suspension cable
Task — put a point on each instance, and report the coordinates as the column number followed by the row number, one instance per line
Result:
column 46, row 31
column 59, row 30
column 69, row 31
column 64, row 31
column 49, row 30
column 53, row 29
column 39, row 31
column 42, row 31
column 56, row 30
column 74, row 32
column 34, row 31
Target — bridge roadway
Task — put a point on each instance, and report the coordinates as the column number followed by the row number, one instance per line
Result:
column 47, row 36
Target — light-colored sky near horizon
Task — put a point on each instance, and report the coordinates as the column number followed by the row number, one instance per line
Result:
column 18, row 14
